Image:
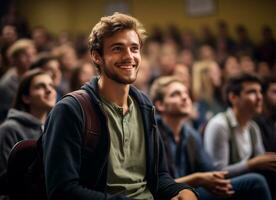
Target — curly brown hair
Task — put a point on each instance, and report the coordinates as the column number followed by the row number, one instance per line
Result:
column 108, row 26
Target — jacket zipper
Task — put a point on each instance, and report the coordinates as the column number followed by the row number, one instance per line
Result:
column 156, row 150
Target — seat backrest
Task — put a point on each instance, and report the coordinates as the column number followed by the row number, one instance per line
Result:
column 21, row 157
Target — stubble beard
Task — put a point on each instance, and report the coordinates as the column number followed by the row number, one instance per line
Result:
column 117, row 78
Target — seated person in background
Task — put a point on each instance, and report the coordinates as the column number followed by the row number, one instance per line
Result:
column 50, row 64
column 82, row 74
column 21, row 54
column 232, row 139
column 267, row 120
column 206, row 90
column 34, row 99
column 187, row 160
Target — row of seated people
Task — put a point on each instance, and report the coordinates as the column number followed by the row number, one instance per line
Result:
column 232, row 161
column 223, row 169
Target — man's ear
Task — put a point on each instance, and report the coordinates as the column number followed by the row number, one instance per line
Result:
column 232, row 98
column 97, row 59
column 26, row 99
column 159, row 106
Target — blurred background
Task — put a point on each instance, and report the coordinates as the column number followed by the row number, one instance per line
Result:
column 80, row 16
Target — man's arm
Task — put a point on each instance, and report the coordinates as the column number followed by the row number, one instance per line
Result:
column 216, row 144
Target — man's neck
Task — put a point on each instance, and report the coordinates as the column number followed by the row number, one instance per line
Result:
column 175, row 123
column 242, row 117
column 269, row 113
column 114, row 92
column 20, row 73
column 41, row 115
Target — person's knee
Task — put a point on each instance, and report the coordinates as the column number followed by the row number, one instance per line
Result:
column 251, row 180
column 258, row 179
column 252, row 186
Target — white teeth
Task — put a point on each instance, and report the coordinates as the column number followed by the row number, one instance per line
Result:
column 126, row 66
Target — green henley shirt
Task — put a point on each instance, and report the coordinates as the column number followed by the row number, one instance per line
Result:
column 127, row 157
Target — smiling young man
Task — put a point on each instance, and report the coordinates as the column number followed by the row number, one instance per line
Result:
column 127, row 162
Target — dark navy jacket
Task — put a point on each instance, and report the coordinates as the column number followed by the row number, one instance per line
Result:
column 189, row 149
column 75, row 171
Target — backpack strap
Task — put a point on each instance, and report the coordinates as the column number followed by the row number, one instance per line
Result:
column 92, row 127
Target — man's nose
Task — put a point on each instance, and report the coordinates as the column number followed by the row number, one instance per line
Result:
column 128, row 54
column 49, row 89
column 184, row 96
column 260, row 96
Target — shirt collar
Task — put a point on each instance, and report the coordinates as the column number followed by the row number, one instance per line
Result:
column 233, row 119
column 117, row 108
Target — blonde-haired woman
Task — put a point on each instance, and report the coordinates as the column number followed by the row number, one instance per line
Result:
column 206, row 90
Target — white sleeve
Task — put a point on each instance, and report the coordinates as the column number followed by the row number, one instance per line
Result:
column 216, row 142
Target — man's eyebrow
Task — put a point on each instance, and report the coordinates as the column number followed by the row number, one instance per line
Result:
column 122, row 44
column 116, row 44
column 252, row 90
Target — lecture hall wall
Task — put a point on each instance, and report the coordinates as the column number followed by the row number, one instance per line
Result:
column 78, row 16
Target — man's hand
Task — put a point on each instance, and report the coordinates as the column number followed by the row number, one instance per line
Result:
column 266, row 161
column 216, row 183
column 185, row 194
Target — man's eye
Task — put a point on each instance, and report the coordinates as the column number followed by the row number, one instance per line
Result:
column 116, row 49
column 174, row 94
column 135, row 49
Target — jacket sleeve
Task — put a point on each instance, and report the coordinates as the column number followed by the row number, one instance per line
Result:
column 167, row 187
column 62, row 149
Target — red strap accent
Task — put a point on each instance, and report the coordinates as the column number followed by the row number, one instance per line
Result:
column 92, row 123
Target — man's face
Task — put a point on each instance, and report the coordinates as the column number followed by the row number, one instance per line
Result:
column 25, row 58
column 53, row 68
column 177, row 101
column 42, row 95
column 270, row 97
column 250, row 99
column 121, row 57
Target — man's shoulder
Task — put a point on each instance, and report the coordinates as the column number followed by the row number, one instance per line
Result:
column 190, row 131
column 140, row 96
column 254, row 125
column 219, row 120
column 218, row 124
column 67, row 105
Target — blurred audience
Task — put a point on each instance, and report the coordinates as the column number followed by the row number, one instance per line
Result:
column 267, row 120
column 21, row 55
column 81, row 75
column 50, row 64
column 206, row 90
column 187, row 160
column 233, row 139
column 144, row 75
